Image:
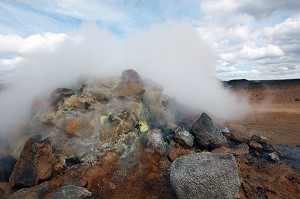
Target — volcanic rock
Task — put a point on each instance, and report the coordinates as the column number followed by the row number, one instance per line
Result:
column 35, row 164
column 176, row 151
column 289, row 154
column 131, row 85
column 255, row 145
column 183, row 137
column 258, row 138
column 267, row 179
column 205, row 175
column 274, row 156
column 7, row 164
column 207, row 134
column 240, row 136
column 71, row 192
column 35, row 192
column 59, row 94
column 153, row 140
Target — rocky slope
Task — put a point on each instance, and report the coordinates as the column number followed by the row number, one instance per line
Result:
column 118, row 137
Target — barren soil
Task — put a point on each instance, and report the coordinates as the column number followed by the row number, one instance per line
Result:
column 275, row 110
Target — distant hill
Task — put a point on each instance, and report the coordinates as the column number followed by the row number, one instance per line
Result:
column 244, row 83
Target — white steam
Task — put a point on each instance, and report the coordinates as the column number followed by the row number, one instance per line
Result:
column 171, row 54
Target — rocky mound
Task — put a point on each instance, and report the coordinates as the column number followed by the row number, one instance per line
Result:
column 121, row 138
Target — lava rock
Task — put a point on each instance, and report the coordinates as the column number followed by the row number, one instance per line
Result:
column 7, row 164
column 207, row 134
column 183, row 137
column 35, row 164
column 205, row 175
column 71, row 192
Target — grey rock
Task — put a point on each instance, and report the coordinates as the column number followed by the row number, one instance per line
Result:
column 32, row 192
column 225, row 130
column 207, row 134
column 153, row 140
column 274, row 156
column 243, row 146
column 205, row 175
column 71, row 192
column 183, row 137
column 290, row 154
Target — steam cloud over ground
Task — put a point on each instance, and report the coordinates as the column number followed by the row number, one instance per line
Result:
column 172, row 55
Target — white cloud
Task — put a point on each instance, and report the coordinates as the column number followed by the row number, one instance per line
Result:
column 259, row 53
column 16, row 45
column 290, row 27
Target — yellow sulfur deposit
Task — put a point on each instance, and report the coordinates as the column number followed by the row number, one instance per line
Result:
column 143, row 126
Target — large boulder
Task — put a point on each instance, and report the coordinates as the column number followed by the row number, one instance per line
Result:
column 131, row 85
column 35, row 164
column 205, row 175
column 207, row 134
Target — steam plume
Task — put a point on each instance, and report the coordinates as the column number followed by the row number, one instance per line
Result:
column 170, row 54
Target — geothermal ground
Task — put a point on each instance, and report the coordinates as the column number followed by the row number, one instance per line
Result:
column 274, row 109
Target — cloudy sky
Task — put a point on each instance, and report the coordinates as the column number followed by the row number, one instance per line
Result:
column 248, row 39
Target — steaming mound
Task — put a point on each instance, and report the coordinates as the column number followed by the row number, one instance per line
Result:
column 117, row 138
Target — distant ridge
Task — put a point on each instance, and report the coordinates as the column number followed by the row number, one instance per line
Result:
column 244, row 83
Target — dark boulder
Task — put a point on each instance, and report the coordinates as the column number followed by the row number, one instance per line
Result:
column 7, row 164
column 35, row 164
column 207, row 134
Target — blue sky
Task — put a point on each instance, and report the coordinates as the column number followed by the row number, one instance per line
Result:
column 248, row 39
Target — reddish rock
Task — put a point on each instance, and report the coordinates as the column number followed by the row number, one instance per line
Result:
column 240, row 136
column 176, row 151
column 5, row 189
column 131, row 85
column 35, row 164
column 255, row 145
